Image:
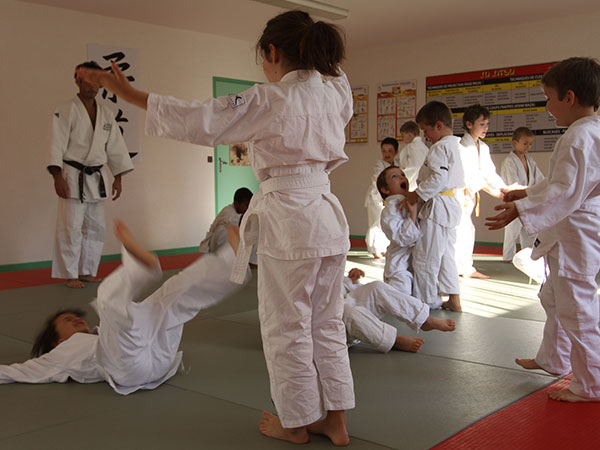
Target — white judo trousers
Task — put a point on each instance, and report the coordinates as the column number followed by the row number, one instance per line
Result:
column 304, row 340
column 465, row 234
column 366, row 305
column 571, row 338
column 79, row 238
column 375, row 238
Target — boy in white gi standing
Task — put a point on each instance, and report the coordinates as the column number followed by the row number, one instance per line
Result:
column 519, row 168
column 411, row 157
column 375, row 237
column 85, row 137
column 480, row 173
column 564, row 209
column 441, row 174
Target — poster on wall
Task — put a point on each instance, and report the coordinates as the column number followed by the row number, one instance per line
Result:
column 357, row 130
column 396, row 104
column 514, row 97
column 127, row 116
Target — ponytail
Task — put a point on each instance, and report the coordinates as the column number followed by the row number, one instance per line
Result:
column 305, row 44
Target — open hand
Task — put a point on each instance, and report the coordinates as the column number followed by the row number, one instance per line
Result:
column 508, row 214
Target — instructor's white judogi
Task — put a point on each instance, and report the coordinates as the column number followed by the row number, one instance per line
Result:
column 375, row 238
column 480, row 173
column 217, row 233
column 564, row 209
column 513, row 171
column 410, row 159
column 80, row 218
column 434, row 255
column 365, row 306
column 136, row 344
column 296, row 128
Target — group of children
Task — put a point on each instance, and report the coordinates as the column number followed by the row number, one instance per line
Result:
column 296, row 123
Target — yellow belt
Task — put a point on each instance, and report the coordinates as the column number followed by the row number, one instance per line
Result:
column 449, row 193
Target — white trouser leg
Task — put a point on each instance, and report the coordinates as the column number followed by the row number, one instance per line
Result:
column 67, row 243
column 362, row 324
column 304, row 338
column 511, row 234
column 448, row 277
column 465, row 238
column 427, row 259
column 92, row 242
column 375, row 238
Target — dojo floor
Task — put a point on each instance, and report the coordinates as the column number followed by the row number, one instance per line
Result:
column 404, row 400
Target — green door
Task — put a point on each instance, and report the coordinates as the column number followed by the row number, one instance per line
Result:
column 229, row 175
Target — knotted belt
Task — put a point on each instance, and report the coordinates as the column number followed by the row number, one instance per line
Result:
column 87, row 170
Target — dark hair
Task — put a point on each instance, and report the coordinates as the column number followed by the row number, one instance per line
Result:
column 47, row 338
column 521, row 132
column 580, row 75
column 304, row 43
column 474, row 112
column 382, row 182
column 410, row 127
column 390, row 141
column 434, row 112
column 242, row 195
column 87, row 65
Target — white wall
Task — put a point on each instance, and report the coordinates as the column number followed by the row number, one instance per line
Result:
column 169, row 199
column 468, row 51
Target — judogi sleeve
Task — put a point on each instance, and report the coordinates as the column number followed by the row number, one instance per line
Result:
column 397, row 228
column 438, row 164
column 119, row 161
column 61, row 128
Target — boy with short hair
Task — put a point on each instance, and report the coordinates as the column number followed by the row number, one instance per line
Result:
column 399, row 223
column 519, row 168
column 564, row 209
column 230, row 215
column 376, row 240
column 411, row 157
column 441, row 174
column 480, row 173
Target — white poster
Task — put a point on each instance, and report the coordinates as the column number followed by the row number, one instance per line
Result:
column 128, row 117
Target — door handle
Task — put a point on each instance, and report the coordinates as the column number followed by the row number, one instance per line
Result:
column 221, row 162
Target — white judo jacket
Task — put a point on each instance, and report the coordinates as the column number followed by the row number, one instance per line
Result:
column 410, row 159
column 478, row 167
column 513, row 171
column 441, row 172
column 564, row 209
column 373, row 198
column 75, row 139
column 217, row 233
column 296, row 131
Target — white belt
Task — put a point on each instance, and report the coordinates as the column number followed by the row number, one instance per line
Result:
column 313, row 182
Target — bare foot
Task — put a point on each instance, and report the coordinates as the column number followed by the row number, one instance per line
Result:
column 565, row 395
column 376, row 256
column 75, row 284
column 478, row 275
column 408, row 344
column 270, row 426
column 333, row 426
column 233, row 236
column 90, row 279
column 131, row 244
column 453, row 303
column 433, row 323
column 531, row 364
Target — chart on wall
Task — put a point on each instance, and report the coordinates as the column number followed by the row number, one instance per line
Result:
column 514, row 97
column 357, row 130
column 396, row 104
column 127, row 116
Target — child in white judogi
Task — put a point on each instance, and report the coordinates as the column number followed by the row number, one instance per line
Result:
column 441, row 174
column 136, row 344
column 365, row 306
column 564, row 209
column 375, row 237
column 519, row 168
column 411, row 157
column 399, row 223
column 230, row 215
column 480, row 173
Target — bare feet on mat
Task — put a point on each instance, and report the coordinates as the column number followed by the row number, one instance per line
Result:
column 433, row 323
column 565, row 395
column 478, row 275
column 75, row 284
column 270, row 426
column 531, row 364
column 333, row 426
column 90, row 279
column 453, row 303
column 233, row 236
column 408, row 344
column 131, row 244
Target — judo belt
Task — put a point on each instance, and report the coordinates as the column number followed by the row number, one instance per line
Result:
column 449, row 193
column 87, row 170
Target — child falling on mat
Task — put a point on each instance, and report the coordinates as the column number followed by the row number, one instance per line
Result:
column 564, row 209
column 135, row 345
column 296, row 126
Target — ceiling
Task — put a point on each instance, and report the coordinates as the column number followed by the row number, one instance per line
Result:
column 371, row 22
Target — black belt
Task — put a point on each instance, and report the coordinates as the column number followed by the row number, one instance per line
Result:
column 87, row 170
